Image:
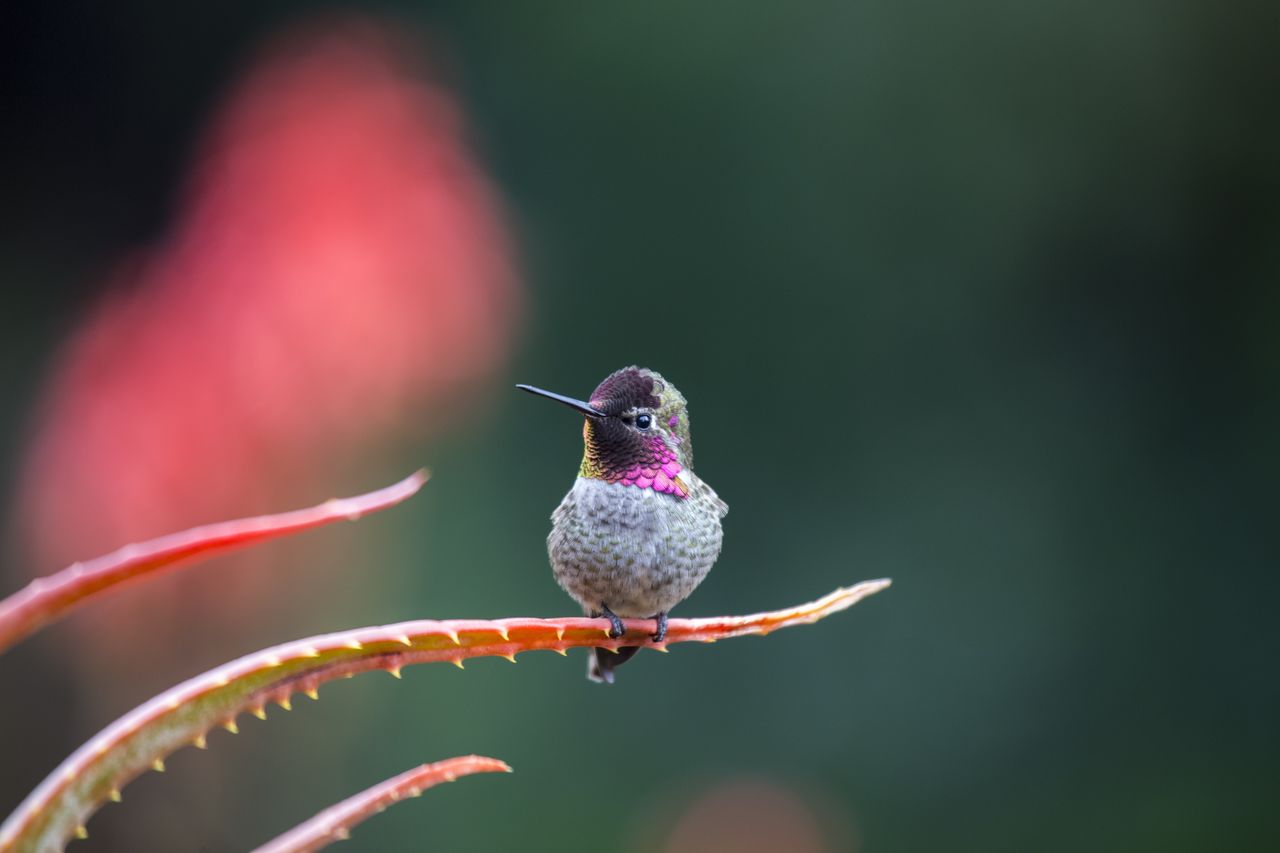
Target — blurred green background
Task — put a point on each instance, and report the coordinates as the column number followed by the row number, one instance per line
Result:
column 981, row 297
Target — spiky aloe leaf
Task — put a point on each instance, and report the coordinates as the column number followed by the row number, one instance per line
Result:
column 57, row 810
column 48, row 598
column 335, row 823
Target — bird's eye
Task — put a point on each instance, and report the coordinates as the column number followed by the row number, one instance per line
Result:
column 643, row 421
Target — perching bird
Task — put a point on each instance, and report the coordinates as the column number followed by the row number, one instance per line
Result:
column 639, row 530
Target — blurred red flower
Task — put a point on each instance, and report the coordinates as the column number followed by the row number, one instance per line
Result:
column 746, row 815
column 337, row 278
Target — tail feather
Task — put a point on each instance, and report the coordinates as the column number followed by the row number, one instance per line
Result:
column 602, row 662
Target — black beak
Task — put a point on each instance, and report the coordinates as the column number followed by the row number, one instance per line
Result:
column 586, row 408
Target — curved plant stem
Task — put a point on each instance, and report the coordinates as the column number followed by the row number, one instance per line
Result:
column 335, row 823
column 48, row 598
column 57, row 809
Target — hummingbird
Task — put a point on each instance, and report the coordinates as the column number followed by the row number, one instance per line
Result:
column 638, row 531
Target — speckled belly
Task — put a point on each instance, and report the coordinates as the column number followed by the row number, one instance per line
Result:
column 638, row 551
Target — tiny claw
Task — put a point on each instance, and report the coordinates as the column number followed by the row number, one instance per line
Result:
column 660, row 634
column 616, row 628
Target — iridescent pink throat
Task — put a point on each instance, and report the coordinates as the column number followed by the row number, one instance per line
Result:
column 657, row 473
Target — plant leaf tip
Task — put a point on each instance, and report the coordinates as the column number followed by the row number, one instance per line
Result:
column 846, row 596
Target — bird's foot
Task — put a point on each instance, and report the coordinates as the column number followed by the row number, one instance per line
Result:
column 616, row 628
column 660, row 634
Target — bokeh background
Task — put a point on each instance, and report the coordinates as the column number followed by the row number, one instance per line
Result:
column 978, row 296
